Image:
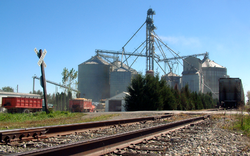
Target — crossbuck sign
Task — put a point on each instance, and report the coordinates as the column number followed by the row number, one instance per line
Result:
column 41, row 58
column 41, row 54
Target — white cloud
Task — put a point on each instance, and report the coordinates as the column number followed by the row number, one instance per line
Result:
column 182, row 41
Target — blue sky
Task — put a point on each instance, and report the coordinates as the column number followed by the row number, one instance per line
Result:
column 70, row 31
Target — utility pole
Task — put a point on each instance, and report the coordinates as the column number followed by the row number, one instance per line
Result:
column 33, row 85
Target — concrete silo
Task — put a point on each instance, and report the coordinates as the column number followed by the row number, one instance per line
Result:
column 192, row 74
column 212, row 72
column 120, row 78
column 172, row 80
column 93, row 79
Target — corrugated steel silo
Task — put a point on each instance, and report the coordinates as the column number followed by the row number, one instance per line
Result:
column 191, row 64
column 192, row 74
column 212, row 72
column 120, row 78
column 172, row 80
column 93, row 79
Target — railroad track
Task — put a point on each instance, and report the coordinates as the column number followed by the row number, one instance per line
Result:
column 114, row 143
column 7, row 136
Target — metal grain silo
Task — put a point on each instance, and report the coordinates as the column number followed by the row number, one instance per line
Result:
column 172, row 80
column 191, row 64
column 93, row 79
column 192, row 74
column 212, row 72
column 120, row 78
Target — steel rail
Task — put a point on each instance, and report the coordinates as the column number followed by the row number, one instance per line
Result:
column 39, row 132
column 21, row 134
column 104, row 145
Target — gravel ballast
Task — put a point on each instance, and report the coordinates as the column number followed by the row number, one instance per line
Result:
column 205, row 139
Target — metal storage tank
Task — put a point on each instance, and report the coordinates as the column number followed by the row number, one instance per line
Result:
column 172, row 79
column 93, row 79
column 191, row 64
column 212, row 72
column 192, row 74
column 120, row 78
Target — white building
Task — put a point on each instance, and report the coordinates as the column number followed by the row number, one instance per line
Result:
column 116, row 103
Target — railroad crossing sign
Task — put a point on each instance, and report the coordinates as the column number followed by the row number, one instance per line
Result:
column 41, row 58
column 41, row 54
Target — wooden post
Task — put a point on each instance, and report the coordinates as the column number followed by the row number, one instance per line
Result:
column 44, row 83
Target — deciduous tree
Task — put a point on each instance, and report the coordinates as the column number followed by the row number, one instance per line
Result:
column 69, row 77
column 8, row 89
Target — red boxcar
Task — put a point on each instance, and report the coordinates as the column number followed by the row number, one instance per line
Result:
column 80, row 105
column 21, row 104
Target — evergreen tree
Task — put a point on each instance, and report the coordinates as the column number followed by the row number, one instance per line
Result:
column 184, row 102
column 169, row 98
column 135, row 100
column 185, row 98
column 177, row 96
column 145, row 94
column 197, row 101
column 150, row 93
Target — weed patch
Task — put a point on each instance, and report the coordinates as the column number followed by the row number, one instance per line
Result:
column 236, row 122
column 243, row 124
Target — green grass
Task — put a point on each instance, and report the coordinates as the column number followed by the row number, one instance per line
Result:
column 243, row 124
column 234, row 122
column 22, row 120
column 21, row 117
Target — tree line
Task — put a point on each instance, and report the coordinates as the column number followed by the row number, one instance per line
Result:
column 60, row 101
column 150, row 93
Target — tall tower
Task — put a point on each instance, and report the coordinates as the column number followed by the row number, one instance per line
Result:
column 150, row 40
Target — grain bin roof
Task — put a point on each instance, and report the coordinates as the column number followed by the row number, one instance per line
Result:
column 171, row 74
column 95, row 60
column 122, row 68
column 210, row 63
